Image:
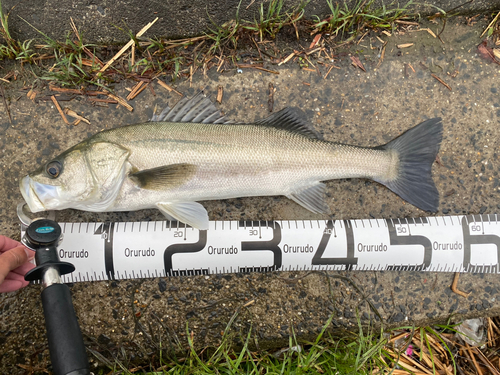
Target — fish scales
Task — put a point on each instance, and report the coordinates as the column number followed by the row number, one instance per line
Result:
column 239, row 160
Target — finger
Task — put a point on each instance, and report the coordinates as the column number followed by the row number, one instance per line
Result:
column 12, row 285
column 23, row 269
column 8, row 243
column 10, row 260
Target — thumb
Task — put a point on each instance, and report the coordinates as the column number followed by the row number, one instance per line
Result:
column 12, row 259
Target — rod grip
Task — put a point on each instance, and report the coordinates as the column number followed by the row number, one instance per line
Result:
column 67, row 351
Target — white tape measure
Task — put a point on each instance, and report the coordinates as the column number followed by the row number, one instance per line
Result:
column 125, row 250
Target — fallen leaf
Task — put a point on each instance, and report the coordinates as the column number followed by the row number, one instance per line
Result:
column 315, row 41
column 357, row 63
column 486, row 52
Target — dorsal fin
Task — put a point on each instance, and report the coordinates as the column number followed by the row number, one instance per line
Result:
column 198, row 109
column 161, row 116
column 288, row 119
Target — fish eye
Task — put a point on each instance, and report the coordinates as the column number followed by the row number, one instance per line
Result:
column 53, row 169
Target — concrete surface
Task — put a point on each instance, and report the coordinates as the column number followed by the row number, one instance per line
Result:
column 100, row 21
column 350, row 106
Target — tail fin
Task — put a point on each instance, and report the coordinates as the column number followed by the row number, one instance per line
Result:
column 417, row 149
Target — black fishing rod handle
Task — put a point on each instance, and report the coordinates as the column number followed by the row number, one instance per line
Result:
column 67, row 352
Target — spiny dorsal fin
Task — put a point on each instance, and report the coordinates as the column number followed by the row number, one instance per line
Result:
column 198, row 109
column 164, row 177
column 288, row 119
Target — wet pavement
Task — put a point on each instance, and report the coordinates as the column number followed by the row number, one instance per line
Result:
column 349, row 106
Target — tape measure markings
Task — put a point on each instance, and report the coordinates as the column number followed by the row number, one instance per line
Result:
column 121, row 250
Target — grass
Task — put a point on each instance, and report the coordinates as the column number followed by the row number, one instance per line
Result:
column 73, row 63
column 344, row 20
column 406, row 350
column 13, row 49
column 354, row 353
column 273, row 19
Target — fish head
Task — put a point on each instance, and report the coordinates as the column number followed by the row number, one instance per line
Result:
column 88, row 176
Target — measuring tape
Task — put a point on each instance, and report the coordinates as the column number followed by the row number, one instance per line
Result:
column 126, row 250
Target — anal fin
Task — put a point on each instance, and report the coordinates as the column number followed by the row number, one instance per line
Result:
column 311, row 197
column 191, row 213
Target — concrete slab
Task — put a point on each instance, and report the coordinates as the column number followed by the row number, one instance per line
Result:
column 350, row 106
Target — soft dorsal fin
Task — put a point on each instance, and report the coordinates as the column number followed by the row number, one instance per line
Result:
column 198, row 109
column 288, row 119
column 164, row 177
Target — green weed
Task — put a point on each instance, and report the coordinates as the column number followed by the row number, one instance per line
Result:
column 273, row 19
column 13, row 49
column 346, row 20
column 354, row 353
column 74, row 64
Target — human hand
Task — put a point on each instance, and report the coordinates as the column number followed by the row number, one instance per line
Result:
column 14, row 264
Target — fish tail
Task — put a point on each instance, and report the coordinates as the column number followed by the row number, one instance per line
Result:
column 417, row 149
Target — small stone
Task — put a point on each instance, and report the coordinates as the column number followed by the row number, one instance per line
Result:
column 162, row 284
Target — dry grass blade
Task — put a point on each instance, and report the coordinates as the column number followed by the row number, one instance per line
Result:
column 135, row 90
column 121, row 101
column 127, row 46
column 328, row 72
column 473, row 358
column 267, row 70
column 258, row 67
column 431, row 32
column 454, row 284
column 66, row 91
column 487, row 362
column 167, row 87
column 409, row 363
column 288, row 58
column 404, row 45
column 75, row 115
column 449, row 88
column 491, row 24
column 31, row 94
column 56, row 103
column 220, row 93
column 108, row 101
column 411, row 23
column 382, row 55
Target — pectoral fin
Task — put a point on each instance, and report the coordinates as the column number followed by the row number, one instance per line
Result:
column 164, row 177
column 311, row 197
column 191, row 213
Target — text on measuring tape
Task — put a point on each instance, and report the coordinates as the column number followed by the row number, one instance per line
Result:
column 122, row 250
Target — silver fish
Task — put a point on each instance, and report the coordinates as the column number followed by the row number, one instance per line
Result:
column 189, row 153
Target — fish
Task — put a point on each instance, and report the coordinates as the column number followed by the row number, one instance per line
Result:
column 191, row 153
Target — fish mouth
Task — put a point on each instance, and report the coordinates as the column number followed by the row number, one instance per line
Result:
column 39, row 197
